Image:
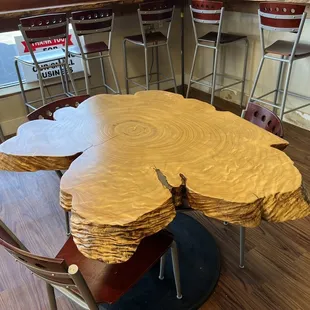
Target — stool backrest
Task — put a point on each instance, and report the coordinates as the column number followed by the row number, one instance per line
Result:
column 277, row 16
column 48, row 110
column 44, row 28
column 155, row 13
column 52, row 270
column 263, row 118
column 207, row 12
column 92, row 21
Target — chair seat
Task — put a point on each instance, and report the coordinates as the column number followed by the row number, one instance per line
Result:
column 284, row 48
column 42, row 57
column 225, row 37
column 150, row 38
column 89, row 48
column 109, row 282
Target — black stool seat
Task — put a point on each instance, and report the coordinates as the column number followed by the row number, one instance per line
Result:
column 150, row 38
column 285, row 48
column 225, row 37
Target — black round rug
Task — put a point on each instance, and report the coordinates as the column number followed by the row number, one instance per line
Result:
column 199, row 260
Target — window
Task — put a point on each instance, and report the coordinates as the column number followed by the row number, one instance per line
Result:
column 8, row 51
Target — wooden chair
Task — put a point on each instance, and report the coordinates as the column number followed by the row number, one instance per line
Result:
column 263, row 118
column 93, row 282
column 47, row 112
column 269, row 121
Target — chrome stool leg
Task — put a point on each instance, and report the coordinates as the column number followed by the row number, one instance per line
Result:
column 244, row 71
column 242, row 246
column 103, row 73
column 214, row 75
column 287, row 81
column 114, row 75
column 2, row 139
column 21, row 85
column 41, row 86
column 146, row 69
column 279, row 82
column 176, row 271
column 171, row 68
column 162, row 267
column 126, row 67
column 67, row 216
column 259, row 70
column 84, row 61
column 192, row 71
column 157, row 67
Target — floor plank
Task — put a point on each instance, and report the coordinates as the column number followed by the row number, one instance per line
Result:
column 277, row 255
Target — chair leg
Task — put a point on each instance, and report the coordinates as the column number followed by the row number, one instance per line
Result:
column 176, row 271
column 72, row 80
column 126, row 67
column 287, row 81
column 2, row 139
column 59, row 173
column 68, row 230
column 51, row 296
column 114, row 75
column 172, row 70
column 192, row 71
column 63, row 83
column 21, row 85
column 162, row 267
column 84, row 61
column 157, row 67
column 242, row 246
column 244, row 71
column 214, row 76
column 257, row 77
column 278, row 85
column 41, row 87
column 103, row 73
column 146, row 69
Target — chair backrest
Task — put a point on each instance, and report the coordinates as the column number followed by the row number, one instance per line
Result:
column 155, row 13
column 281, row 16
column 47, row 111
column 263, row 118
column 41, row 28
column 52, row 270
column 206, row 12
column 92, row 21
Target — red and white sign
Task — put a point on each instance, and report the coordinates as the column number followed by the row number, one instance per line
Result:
column 30, row 73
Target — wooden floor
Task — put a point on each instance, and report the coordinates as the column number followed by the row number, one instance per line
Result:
column 277, row 269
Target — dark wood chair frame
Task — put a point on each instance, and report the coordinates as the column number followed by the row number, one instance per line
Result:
column 66, row 279
column 280, row 17
column 47, row 112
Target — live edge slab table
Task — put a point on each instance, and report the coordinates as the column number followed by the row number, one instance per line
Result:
column 131, row 159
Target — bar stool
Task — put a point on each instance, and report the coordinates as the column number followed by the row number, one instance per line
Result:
column 282, row 17
column 152, row 15
column 211, row 12
column 89, row 22
column 2, row 138
column 38, row 29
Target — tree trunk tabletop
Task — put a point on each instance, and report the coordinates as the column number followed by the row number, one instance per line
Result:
column 131, row 159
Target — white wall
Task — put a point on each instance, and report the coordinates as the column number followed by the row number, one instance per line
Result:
column 232, row 60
